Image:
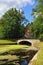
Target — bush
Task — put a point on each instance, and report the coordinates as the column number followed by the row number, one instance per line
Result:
column 41, row 37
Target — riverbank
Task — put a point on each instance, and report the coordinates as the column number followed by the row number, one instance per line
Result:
column 12, row 54
column 38, row 58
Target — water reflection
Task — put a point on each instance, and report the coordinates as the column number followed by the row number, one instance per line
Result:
column 23, row 62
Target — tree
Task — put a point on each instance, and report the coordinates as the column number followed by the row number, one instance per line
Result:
column 11, row 22
column 36, row 26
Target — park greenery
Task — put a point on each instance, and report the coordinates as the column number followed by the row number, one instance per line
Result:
column 39, row 60
column 36, row 26
column 11, row 26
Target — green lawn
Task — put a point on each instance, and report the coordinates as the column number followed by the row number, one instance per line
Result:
column 39, row 45
column 6, row 42
column 39, row 60
column 6, row 47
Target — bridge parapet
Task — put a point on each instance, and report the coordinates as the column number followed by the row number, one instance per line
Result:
column 32, row 41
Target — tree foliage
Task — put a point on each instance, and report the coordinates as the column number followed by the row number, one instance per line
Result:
column 11, row 27
column 36, row 26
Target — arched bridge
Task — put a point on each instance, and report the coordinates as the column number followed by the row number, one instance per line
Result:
column 29, row 41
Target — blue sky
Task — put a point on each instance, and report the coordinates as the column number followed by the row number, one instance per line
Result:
column 28, row 11
column 25, row 5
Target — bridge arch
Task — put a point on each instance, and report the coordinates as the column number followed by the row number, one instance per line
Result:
column 25, row 42
column 29, row 41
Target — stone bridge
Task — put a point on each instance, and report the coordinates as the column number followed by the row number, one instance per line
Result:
column 30, row 41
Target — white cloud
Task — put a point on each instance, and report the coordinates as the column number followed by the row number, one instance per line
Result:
column 6, row 4
column 3, row 9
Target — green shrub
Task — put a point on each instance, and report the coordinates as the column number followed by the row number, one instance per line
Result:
column 41, row 37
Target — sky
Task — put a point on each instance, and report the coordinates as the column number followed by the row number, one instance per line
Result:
column 25, row 5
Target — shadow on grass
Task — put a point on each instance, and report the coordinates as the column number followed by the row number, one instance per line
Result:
column 23, row 54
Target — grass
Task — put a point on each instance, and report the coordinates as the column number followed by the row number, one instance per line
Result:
column 39, row 60
column 4, row 48
column 2, row 42
column 7, row 48
column 39, row 45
